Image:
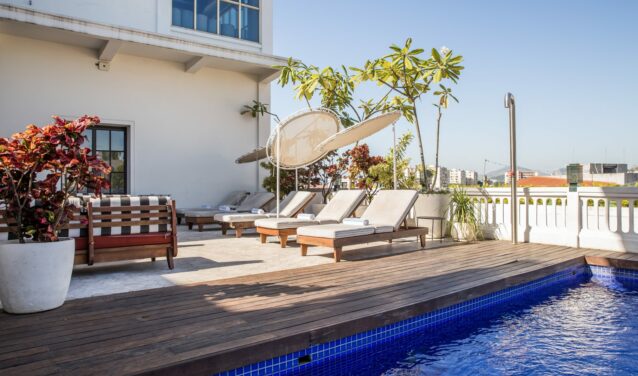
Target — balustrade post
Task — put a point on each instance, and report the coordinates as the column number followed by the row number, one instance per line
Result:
column 573, row 209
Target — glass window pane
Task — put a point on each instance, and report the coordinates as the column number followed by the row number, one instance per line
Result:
column 117, row 140
column 103, row 155
column 254, row 3
column 118, row 183
column 250, row 24
column 88, row 139
column 183, row 13
column 207, row 15
column 117, row 161
column 102, row 140
column 229, row 19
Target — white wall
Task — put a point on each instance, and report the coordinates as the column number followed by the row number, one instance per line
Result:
column 147, row 15
column 186, row 128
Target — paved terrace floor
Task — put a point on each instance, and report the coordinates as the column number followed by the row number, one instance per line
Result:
column 217, row 325
column 206, row 256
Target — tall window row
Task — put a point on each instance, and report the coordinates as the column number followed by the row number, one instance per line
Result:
column 231, row 18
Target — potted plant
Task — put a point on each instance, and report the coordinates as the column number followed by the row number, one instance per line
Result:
column 40, row 169
column 465, row 224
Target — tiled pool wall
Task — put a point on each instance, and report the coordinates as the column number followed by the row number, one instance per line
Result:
column 302, row 360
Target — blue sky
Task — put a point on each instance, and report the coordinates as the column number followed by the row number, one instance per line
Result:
column 570, row 64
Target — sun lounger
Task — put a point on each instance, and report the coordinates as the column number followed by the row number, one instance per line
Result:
column 233, row 199
column 207, row 217
column 385, row 215
column 342, row 205
column 290, row 206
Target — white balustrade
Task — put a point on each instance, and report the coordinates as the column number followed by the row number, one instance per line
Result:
column 592, row 217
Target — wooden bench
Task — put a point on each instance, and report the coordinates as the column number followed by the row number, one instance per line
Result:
column 119, row 228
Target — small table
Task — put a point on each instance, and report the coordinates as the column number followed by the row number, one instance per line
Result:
column 433, row 218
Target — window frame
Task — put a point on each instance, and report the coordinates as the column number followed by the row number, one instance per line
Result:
column 240, row 5
column 126, row 152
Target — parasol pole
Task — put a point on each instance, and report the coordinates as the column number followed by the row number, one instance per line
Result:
column 394, row 155
column 296, row 179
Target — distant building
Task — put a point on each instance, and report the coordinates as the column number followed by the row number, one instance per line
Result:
column 442, row 177
column 457, row 177
column 471, row 177
column 520, row 175
column 615, row 173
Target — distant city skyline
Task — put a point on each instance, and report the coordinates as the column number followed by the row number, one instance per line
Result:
column 564, row 61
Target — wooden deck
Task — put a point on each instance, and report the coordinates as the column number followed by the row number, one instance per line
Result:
column 205, row 328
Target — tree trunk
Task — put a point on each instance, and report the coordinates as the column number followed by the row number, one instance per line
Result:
column 436, row 156
column 424, row 180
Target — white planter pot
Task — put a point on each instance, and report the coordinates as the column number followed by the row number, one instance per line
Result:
column 461, row 232
column 432, row 205
column 35, row 276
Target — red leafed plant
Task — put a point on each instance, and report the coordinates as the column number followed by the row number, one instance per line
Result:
column 357, row 162
column 41, row 168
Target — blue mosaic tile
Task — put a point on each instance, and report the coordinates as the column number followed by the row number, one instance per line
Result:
column 289, row 364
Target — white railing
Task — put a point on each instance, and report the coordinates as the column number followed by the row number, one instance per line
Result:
column 602, row 218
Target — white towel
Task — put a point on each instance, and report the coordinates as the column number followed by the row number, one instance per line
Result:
column 306, row 216
column 258, row 211
column 227, row 208
column 355, row 221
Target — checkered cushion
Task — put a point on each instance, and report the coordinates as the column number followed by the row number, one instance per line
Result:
column 118, row 201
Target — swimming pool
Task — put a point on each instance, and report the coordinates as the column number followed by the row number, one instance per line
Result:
column 580, row 321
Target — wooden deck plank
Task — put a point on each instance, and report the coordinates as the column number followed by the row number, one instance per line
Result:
column 208, row 327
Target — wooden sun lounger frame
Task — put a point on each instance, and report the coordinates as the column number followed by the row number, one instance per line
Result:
column 240, row 226
column 284, row 233
column 201, row 221
column 338, row 244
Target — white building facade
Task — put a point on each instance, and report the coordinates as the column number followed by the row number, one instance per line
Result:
column 457, row 176
column 168, row 78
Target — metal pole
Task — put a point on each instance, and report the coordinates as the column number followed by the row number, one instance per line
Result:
column 278, row 156
column 296, row 179
column 394, row 155
column 510, row 103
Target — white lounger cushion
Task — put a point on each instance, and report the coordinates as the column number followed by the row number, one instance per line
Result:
column 385, row 214
column 285, row 223
column 233, row 198
column 255, row 200
column 341, row 205
column 335, row 231
column 389, row 208
column 291, row 204
column 240, row 217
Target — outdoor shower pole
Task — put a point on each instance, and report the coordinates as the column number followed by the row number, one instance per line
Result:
column 510, row 103
column 394, row 155
column 278, row 157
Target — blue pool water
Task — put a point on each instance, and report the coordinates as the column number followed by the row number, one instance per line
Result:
column 582, row 326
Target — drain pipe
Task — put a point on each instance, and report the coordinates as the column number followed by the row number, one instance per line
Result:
column 510, row 104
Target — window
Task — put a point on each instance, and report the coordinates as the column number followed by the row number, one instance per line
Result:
column 231, row 18
column 110, row 145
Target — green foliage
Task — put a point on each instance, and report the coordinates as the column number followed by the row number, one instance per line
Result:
column 258, row 108
column 409, row 75
column 383, row 172
column 462, row 211
column 336, row 89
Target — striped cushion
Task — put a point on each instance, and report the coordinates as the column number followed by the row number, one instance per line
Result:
column 117, row 201
column 78, row 202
